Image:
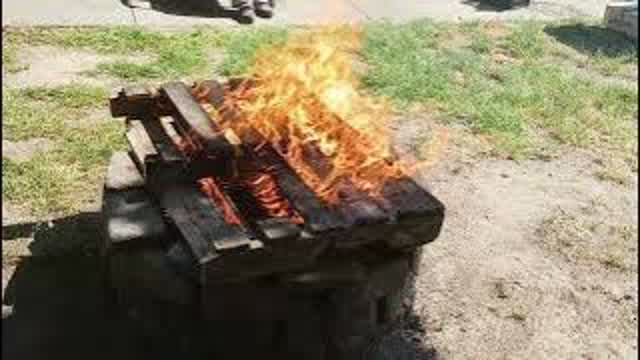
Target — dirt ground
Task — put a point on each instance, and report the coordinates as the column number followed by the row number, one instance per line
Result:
column 537, row 260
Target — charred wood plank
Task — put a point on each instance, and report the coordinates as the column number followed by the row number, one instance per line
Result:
column 278, row 231
column 202, row 224
column 318, row 218
column 355, row 206
column 418, row 214
column 133, row 102
column 406, row 198
column 140, row 143
column 194, row 121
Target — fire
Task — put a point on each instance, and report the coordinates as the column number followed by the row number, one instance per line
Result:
column 264, row 188
column 212, row 190
column 306, row 102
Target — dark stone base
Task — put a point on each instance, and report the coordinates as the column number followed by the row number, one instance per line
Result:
column 313, row 314
column 263, row 317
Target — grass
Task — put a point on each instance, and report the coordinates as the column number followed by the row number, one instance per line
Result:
column 64, row 179
column 9, row 58
column 504, row 86
column 73, row 96
column 242, row 46
column 526, row 41
column 172, row 54
column 512, row 83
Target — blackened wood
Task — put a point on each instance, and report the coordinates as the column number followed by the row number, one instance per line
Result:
column 277, row 231
column 328, row 273
column 167, row 167
column 197, row 165
column 201, row 224
column 406, row 198
column 261, row 261
column 133, row 102
column 317, row 216
column 166, row 149
column 418, row 214
column 362, row 212
column 355, row 206
column 140, row 144
column 190, row 116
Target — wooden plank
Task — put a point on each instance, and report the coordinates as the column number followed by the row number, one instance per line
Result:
column 356, row 207
column 140, row 144
column 317, row 216
column 278, row 231
column 190, row 116
column 133, row 102
column 405, row 198
column 201, row 224
column 165, row 147
column 366, row 218
column 419, row 215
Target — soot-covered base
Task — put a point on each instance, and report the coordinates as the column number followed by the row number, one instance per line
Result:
column 333, row 309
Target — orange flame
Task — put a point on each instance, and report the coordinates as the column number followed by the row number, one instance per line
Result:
column 265, row 190
column 212, row 190
column 307, row 104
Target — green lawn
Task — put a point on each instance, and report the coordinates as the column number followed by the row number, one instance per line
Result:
column 523, row 85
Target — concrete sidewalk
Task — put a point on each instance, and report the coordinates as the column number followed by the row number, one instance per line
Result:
column 192, row 12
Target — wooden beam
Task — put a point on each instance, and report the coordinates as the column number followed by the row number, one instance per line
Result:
column 140, row 144
column 190, row 116
column 202, row 224
column 133, row 102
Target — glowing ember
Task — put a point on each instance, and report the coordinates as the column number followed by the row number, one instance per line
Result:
column 209, row 187
column 306, row 103
column 264, row 188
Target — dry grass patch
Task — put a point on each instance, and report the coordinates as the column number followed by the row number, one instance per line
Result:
column 592, row 237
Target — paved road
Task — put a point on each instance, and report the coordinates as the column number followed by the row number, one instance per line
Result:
column 191, row 12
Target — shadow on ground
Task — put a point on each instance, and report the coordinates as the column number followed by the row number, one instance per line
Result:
column 74, row 235
column 593, row 40
column 57, row 297
column 496, row 5
column 404, row 344
column 193, row 8
column 60, row 309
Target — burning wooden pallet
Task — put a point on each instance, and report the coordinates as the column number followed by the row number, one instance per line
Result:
column 230, row 210
column 234, row 235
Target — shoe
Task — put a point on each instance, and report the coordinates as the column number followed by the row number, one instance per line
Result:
column 244, row 14
column 263, row 8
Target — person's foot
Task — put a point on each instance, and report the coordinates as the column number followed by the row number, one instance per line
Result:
column 263, row 8
column 244, row 14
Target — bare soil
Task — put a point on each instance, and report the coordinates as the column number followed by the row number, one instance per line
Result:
column 53, row 66
column 537, row 260
column 19, row 151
